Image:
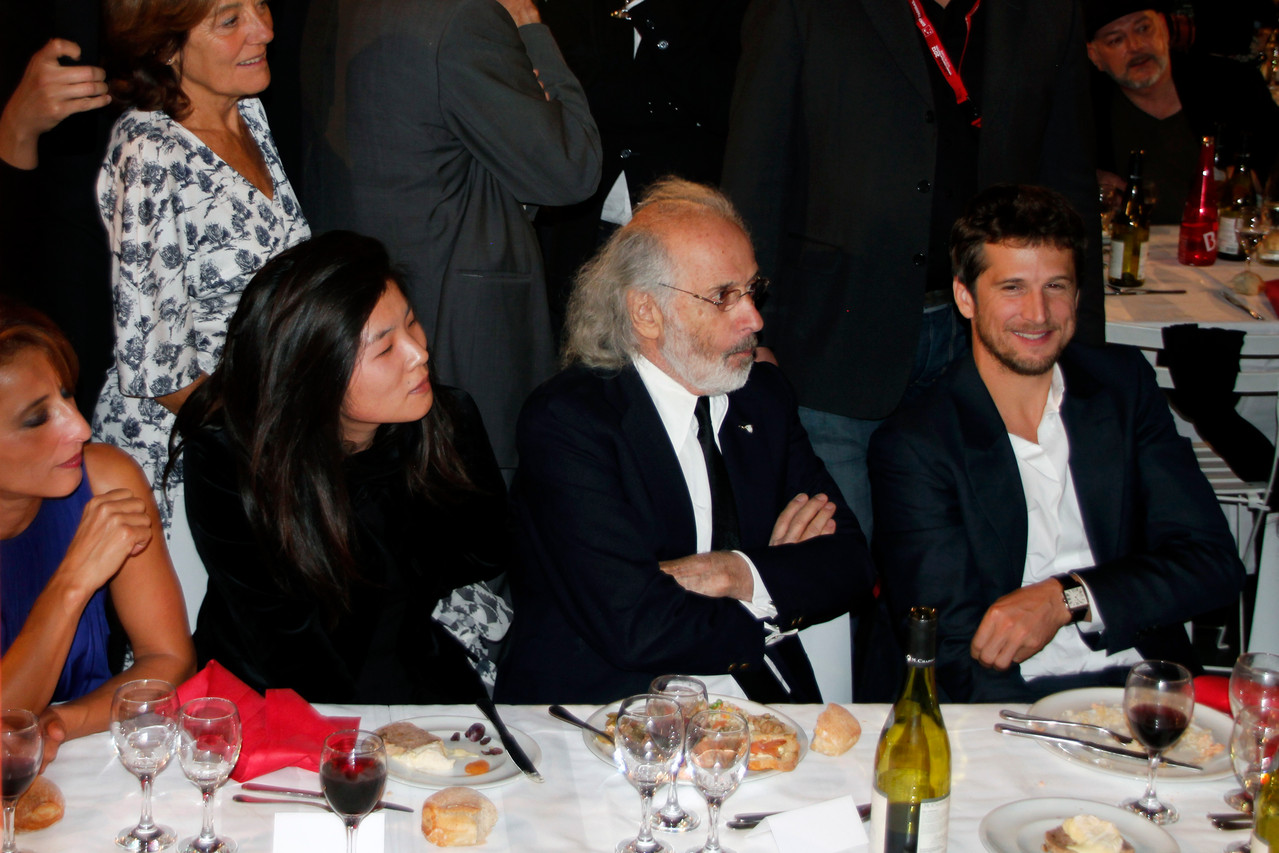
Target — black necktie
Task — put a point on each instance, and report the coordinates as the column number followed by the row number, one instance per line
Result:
column 725, row 535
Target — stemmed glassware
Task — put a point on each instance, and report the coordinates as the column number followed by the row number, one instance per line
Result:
column 22, row 750
column 352, row 776
column 144, row 728
column 1252, row 227
column 690, row 694
column 1254, row 682
column 209, row 745
column 718, row 748
column 1253, row 742
column 1159, row 701
column 648, row 736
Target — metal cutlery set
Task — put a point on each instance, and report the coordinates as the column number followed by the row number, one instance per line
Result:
column 1104, row 749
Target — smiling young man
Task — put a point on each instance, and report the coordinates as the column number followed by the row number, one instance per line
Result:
column 1039, row 496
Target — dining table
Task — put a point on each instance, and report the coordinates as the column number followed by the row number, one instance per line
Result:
column 585, row 804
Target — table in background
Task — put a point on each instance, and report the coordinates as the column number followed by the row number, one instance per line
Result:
column 585, row 805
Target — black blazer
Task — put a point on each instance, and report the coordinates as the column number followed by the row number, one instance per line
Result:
column 386, row 649
column 831, row 155
column 600, row 499
column 950, row 514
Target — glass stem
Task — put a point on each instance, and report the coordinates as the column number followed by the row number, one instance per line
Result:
column 672, row 807
column 207, row 835
column 712, row 832
column 350, row 838
column 9, row 806
column 645, row 839
column 1149, row 800
column 146, row 826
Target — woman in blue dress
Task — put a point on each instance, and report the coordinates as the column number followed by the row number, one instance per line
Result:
column 79, row 538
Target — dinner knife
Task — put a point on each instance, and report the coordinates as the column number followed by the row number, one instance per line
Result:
column 312, row 795
column 1005, row 729
column 305, row 801
column 1239, row 303
column 517, row 753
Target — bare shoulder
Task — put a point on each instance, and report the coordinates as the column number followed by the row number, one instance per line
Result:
column 109, row 467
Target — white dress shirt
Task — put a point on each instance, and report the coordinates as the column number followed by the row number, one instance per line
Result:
column 1056, row 542
column 675, row 406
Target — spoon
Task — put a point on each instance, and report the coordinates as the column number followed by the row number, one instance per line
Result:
column 559, row 712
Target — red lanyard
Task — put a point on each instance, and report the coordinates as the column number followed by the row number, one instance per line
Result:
column 942, row 58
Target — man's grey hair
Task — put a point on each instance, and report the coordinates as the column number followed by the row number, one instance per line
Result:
column 598, row 330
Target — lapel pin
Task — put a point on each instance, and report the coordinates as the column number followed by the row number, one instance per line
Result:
column 748, row 427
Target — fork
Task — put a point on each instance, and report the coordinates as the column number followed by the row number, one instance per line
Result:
column 1030, row 718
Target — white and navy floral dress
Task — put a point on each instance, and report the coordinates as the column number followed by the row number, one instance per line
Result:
column 187, row 233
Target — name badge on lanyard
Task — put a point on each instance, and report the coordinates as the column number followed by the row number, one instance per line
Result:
column 948, row 69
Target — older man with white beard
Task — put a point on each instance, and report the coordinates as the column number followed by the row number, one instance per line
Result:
column 673, row 516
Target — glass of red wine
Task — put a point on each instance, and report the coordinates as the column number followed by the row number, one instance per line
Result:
column 23, row 747
column 1159, row 701
column 352, row 776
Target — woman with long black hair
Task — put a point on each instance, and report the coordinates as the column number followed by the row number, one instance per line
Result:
column 335, row 495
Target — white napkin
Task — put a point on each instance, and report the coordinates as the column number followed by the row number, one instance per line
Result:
column 322, row 832
column 828, row 827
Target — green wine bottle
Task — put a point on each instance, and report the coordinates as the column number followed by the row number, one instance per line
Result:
column 1130, row 232
column 910, row 797
column 1265, row 810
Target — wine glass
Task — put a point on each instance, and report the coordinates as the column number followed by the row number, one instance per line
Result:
column 352, row 776
column 208, row 747
column 690, row 694
column 1253, row 740
column 144, row 728
column 648, row 735
column 1159, row 701
column 1252, row 227
column 23, row 748
column 718, row 747
column 1254, row 682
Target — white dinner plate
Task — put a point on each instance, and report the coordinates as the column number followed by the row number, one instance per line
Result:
column 1058, row 704
column 604, row 750
column 501, row 768
column 1019, row 827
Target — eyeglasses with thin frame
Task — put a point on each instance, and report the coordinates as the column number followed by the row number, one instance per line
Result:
column 726, row 299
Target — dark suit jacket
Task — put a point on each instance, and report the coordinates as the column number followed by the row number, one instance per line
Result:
column 426, row 128
column 600, row 500
column 831, row 155
column 950, row 514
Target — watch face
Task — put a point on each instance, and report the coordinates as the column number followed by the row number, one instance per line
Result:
column 1076, row 598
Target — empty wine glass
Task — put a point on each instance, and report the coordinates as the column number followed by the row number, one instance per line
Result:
column 1252, row 227
column 208, row 747
column 1254, row 682
column 22, row 749
column 1253, row 740
column 648, row 735
column 352, row 776
column 144, row 729
column 690, row 694
column 718, row 747
column 1159, row 702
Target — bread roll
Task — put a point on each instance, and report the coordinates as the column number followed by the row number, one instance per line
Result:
column 837, row 731
column 458, row 817
column 42, row 805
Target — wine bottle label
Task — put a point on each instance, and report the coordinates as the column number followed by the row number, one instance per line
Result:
column 1117, row 252
column 1141, row 260
column 1228, row 235
column 929, row 832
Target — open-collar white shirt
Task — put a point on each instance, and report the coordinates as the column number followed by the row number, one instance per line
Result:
column 1056, row 542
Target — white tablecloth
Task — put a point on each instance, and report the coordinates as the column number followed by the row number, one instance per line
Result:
column 585, row 805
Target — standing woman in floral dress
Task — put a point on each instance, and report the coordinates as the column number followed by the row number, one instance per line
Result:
column 194, row 200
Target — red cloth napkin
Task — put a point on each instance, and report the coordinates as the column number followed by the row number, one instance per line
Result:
column 1213, row 691
column 1271, row 290
column 282, row 730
